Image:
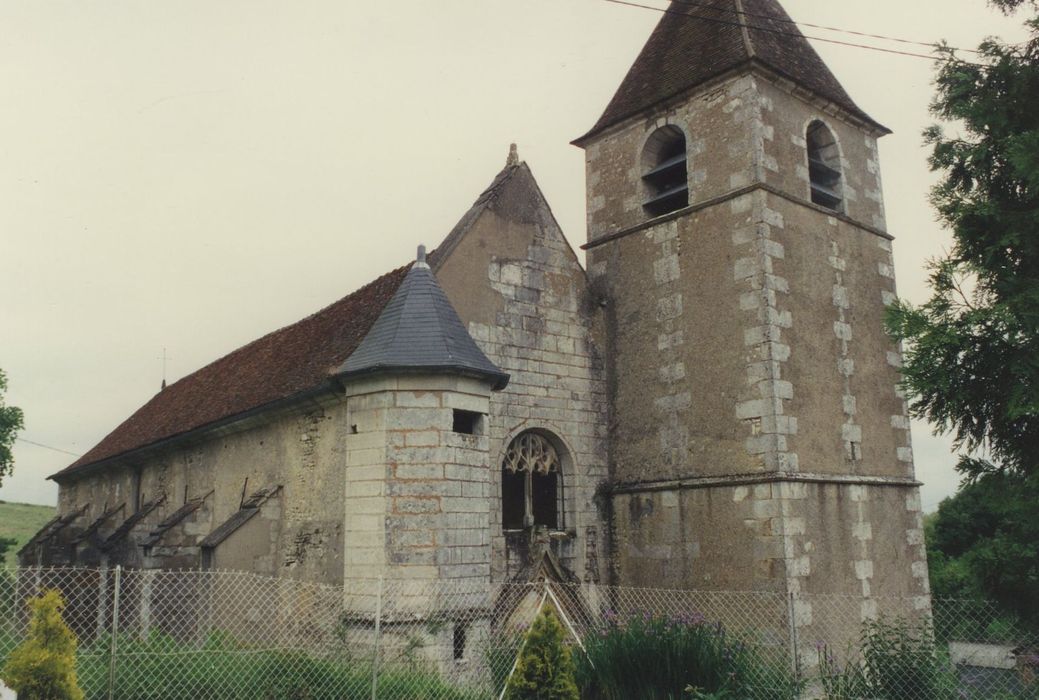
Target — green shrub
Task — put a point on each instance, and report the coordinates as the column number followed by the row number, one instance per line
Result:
column 43, row 667
column 657, row 658
column 545, row 669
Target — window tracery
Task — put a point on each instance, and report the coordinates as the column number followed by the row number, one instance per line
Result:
column 531, row 483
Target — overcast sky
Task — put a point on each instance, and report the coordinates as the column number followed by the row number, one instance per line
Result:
column 194, row 174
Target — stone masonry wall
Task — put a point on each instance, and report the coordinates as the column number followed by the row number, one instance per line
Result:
column 760, row 441
column 715, row 165
column 417, row 496
column 302, row 451
column 518, row 285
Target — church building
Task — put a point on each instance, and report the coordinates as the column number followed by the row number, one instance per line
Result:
column 711, row 403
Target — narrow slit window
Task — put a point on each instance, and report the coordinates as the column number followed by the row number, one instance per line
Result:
column 854, row 451
column 466, row 422
column 824, row 167
column 458, row 643
column 664, row 172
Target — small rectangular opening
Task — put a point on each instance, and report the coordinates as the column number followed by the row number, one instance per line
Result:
column 854, row 451
column 459, row 641
column 466, row 422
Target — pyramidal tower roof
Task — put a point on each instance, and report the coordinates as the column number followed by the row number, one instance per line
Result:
column 697, row 41
column 419, row 330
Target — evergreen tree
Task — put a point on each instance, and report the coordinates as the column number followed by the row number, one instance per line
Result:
column 43, row 667
column 545, row 670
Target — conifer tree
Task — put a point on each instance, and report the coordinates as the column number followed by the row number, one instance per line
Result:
column 545, row 670
column 43, row 667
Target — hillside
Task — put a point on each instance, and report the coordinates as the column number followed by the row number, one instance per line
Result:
column 21, row 521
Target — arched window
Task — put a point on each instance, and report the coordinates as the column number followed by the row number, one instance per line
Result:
column 531, row 487
column 664, row 171
column 824, row 166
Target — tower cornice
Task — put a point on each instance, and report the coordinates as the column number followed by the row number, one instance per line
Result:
column 727, row 197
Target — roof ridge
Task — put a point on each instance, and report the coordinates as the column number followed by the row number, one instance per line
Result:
column 458, row 231
column 745, row 29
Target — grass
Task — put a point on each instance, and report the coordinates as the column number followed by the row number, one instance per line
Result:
column 20, row 521
column 645, row 657
column 161, row 668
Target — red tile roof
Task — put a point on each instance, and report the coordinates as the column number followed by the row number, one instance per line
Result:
column 697, row 41
column 279, row 365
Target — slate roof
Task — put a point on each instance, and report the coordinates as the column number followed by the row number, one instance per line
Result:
column 53, row 527
column 172, row 520
column 93, row 527
column 695, row 42
column 240, row 517
column 127, row 525
column 419, row 329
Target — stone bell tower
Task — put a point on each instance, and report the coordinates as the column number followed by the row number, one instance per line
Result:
column 736, row 232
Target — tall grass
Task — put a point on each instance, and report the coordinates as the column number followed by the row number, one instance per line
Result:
column 898, row 660
column 658, row 658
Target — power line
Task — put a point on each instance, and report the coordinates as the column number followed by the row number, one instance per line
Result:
column 48, row 447
column 930, row 44
column 757, row 28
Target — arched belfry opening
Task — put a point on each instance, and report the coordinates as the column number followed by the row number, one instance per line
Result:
column 664, row 171
column 824, row 167
column 532, row 483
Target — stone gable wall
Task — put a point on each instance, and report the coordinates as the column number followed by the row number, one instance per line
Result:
column 518, row 285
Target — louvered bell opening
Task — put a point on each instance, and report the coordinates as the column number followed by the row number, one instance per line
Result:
column 824, row 167
column 666, row 175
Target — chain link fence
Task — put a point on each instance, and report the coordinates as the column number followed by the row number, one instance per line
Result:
column 161, row 634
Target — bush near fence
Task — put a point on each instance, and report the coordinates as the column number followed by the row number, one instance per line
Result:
column 204, row 634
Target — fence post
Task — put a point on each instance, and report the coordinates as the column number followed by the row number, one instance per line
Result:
column 144, row 607
column 795, row 661
column 115, row 632
column 102, row 601
column 378, row 634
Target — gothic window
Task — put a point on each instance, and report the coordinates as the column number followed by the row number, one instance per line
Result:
column 824, row 166
column 664, row 172
column 530, row 483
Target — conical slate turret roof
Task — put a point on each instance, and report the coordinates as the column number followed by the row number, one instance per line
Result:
column 419, row 330
column 697, row 41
